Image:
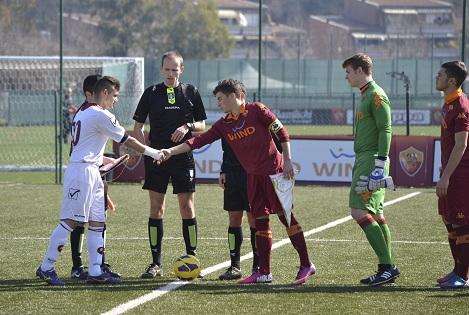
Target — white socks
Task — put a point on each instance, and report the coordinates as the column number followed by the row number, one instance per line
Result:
column 57, row 241
column 95, row 250
column 60, row 237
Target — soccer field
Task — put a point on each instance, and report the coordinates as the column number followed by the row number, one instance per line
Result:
column 340, row 251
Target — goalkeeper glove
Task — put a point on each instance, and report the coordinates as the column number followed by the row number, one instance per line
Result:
column 376, row 180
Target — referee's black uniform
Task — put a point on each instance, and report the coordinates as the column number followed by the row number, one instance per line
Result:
column 167, row 111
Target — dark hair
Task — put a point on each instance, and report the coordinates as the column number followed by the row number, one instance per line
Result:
column 229, row 86
column 174, row 54
column 106, row 82
column 359, row 60
column 457, row 70
column 90, row 82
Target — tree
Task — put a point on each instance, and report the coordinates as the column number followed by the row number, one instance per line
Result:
column 151, row 27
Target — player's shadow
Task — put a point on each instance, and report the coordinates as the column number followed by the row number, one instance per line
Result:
column 451, row 294
column 128, row 284
column 229, row 288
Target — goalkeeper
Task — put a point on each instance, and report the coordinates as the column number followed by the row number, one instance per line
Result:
column 370, row 172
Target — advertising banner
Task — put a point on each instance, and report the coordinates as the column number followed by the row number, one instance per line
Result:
column 414, row 162
column 416, row 116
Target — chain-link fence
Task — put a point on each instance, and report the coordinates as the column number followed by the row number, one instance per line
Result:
column 300, row 71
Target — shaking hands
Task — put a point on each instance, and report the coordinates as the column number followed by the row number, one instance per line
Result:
column 159, row 156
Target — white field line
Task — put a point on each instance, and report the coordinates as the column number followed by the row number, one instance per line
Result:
column 122, row 308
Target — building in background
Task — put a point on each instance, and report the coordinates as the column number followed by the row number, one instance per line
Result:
column 241, row 17
column 387, row 28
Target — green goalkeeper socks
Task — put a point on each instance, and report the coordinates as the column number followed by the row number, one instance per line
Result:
column 387, row 236
column 375, row 237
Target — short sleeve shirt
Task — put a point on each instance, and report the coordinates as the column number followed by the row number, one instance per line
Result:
column 92, row 127
column 167, row 109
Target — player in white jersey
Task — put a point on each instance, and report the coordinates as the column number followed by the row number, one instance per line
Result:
column 83, row 190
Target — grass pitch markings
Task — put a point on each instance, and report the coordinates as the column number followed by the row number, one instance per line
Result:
column 122, row 308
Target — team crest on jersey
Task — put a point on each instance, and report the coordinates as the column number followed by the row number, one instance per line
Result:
column 462, row 116
column 460, row 215
column 411, row 160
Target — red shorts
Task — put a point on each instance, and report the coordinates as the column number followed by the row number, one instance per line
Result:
column 262, row 197
column 454, row 208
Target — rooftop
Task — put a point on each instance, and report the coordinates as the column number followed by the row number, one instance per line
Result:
column 436, row 4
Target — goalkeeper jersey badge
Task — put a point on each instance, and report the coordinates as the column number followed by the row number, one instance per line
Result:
column 171, row 95
column 411, row 160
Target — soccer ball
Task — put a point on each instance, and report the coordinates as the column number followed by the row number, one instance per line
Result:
column 187, row 267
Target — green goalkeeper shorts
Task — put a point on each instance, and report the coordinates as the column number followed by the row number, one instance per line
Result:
column 369, row 201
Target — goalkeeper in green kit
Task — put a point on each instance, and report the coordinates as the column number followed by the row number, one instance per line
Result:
column 370, row 172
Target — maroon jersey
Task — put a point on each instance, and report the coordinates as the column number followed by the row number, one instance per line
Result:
column 454, row 207
column 455, row 118
column 248, row 135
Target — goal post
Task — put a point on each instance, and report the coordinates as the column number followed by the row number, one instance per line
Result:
column 28, row 87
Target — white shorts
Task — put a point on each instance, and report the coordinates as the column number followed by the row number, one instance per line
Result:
column 83, row 194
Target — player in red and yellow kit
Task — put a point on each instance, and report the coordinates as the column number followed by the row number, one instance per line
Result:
column 247, row 129
column 451, row 189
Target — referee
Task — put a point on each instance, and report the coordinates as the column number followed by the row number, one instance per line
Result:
column 174, row 110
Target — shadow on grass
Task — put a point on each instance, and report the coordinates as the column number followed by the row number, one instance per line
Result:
column 128, row 284
column 216, row 287
column 231, row 288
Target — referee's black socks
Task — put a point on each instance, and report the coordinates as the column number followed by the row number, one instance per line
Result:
column 155, row 236
column 235, row 239
column 189, row 232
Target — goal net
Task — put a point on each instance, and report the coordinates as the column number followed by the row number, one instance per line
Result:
column 29, row 94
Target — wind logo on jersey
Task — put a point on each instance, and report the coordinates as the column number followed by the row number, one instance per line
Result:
column 243, row 133
column 171, row 95
column 411, row 160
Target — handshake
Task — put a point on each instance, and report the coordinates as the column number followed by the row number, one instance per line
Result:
column 376, row 180
column 158, row 155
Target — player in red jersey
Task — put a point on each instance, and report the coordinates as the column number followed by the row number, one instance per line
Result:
column 247, row 129
column 451, row 189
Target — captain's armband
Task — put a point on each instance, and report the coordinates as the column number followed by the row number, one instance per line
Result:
column 275, row 126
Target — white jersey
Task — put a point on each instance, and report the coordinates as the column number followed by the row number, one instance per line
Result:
column 91, row 128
